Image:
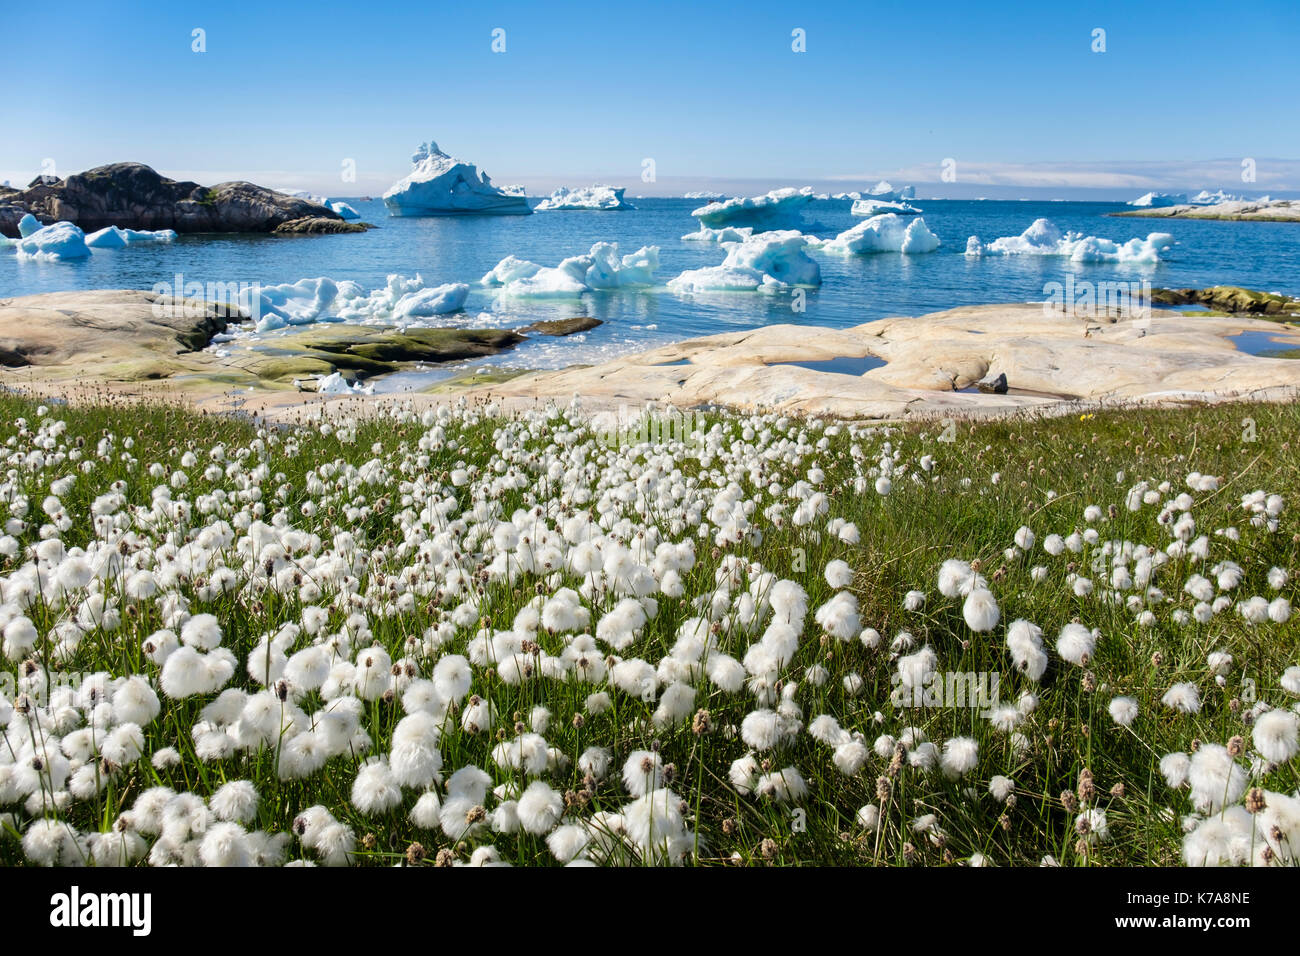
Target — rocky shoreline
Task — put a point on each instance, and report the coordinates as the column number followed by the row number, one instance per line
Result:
column 976, row 362
column 134, row 196
column 1243, row 210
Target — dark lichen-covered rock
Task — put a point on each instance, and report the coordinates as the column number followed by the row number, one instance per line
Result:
column 1229, row 299
column 134, row 196
column 560, row 327
column 361, row 351
column 319, row 226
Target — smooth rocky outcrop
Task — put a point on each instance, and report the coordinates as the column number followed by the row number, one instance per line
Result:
column 63, row 340
column 124, row 334
column 134, row 196
column 1055, row 363
column 1245, row 210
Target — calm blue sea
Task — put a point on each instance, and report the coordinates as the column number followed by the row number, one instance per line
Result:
column 854, row 290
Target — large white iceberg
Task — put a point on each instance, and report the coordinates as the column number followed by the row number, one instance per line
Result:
column 596, row 198
column 884, row 233
column 440, row 185
column 60, row 241
column 885, row 191
column 601, row 268
column 1043, row 238
column 111, row 237
column 402, row 302
column 875, row 207
column 773, row 210
column 768, row 262
column 1157, row 200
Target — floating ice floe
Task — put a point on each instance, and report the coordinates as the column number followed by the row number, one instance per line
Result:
column 596, row 198
column 343, row 209
column 602, row 268
column 111, row 237
column 58, row 242
column 335, row 384
column 402, row 302
column 1157, row 200
column 442, row 186
column 773, row 210
column 875, row 207
column 1043, row 238
column 725, row 234
column 769, row 262
column 705, row 195
column 884, row 233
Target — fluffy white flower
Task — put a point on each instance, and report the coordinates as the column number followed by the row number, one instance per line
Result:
column 1275, row 735
column 1184, row 698
column 1076, row 644
column 1123, row 710
column 981, row 610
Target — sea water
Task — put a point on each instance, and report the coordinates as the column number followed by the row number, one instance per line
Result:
column 854, row 290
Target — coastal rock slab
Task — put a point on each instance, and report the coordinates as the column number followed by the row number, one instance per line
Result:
column 1250, row 210
column 1054, row 363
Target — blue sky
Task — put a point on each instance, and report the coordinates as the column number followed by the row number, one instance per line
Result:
column 1013, row 92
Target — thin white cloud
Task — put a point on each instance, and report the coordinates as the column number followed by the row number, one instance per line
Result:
column 1270, row 174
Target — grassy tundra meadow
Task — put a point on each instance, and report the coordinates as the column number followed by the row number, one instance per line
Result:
column 456, row 637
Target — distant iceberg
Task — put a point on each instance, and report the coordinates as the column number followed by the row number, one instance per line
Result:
column 597, row 198
column 1043, row 238
column 875, row 207
column 442, row 186
column 884, row 233
column 885, row 191
column 1157, row 200
column 780, row 208
column 111, row 237
column 58, row 242
column 769, row 262
column 601, row 268
column 337, row 206
column 402, row 302
column 705, row 195
column 1207, row 198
